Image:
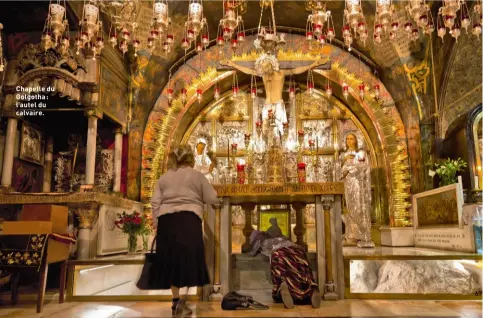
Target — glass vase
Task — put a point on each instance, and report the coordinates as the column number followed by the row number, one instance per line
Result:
column 132, row 244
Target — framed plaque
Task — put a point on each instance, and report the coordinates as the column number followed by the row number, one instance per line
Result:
column 273, row 221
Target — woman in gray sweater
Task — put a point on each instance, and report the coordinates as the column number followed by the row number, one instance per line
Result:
column 177, row 206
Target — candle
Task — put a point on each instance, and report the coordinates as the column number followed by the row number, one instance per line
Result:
column 477, row 183
column 75, row 158
column 460, row 180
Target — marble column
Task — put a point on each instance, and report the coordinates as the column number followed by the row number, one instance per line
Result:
column 91, row 149
column 337, row 251
column 329, row 290
column 320, row 242
column 8, row 153
column 49, row 149
column 117, row 160
column 299, row 229
column 225, row 246
column 87, row 215
column 217, row 291
column 248, row 229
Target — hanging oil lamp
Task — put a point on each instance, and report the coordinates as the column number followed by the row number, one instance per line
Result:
column 310, row 82
column 184, row 93
column 345, row 90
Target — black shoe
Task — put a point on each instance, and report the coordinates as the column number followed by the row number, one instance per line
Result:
column 286, row 297
column 181, row 309
column 315, row 298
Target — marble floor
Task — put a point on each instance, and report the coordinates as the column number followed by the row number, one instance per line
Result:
column 343, row 308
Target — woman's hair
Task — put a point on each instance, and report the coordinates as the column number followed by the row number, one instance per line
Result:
column 182, row 155
column 353, row 135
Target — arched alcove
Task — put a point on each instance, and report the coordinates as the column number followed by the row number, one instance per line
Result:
column 168, row 123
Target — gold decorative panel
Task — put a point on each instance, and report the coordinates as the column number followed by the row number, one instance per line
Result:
column 318, row 130
column 230, row 132
column 314, row 105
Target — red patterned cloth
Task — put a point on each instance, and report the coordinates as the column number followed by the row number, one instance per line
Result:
column 290, row 265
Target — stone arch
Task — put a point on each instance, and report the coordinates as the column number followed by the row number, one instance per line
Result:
column 163, row 126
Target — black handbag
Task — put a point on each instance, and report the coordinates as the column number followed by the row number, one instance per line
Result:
column 234, row 301
column 149, row 275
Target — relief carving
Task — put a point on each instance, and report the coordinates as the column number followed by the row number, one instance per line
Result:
column 33, row 56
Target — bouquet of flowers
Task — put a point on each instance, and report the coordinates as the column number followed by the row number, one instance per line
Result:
column 133, row 225
column 447, row 170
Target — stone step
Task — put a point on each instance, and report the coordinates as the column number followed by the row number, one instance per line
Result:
column 252, row 273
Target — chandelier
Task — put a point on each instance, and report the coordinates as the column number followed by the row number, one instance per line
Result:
column 56, row 28
column 196, row 27
column 386, row 21
column 231, row 28
column 316, row 28
column 267, row 38
column 123, row 24
column 454, row 15
column 161, row 28
column 90, row 36
column 354, row 24
column 477, row 18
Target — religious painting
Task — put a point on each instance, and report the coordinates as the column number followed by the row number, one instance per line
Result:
column 275, row 222
column 441, row 207
column 113, row 95
column 27, row 177
column 31, row 144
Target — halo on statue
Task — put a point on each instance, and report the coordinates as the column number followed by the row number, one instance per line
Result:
column 262, row 60
column 360, row 140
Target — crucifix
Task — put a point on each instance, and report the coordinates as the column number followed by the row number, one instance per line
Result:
column 273, row 74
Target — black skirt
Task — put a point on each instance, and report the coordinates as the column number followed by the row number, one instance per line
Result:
column 180, row 251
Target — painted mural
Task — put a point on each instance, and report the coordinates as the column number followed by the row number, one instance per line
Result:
column 113, row 95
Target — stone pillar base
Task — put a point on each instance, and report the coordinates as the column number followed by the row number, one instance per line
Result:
column 330, row 293
column 397, row 236
column 216, row 293
column 6, row 189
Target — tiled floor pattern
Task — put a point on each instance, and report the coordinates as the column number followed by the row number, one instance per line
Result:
column 343, row 308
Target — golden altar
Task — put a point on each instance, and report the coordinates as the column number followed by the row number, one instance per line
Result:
column 326, row 196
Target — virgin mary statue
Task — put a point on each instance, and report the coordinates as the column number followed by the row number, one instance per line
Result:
column 356, row 174
column 203, row 162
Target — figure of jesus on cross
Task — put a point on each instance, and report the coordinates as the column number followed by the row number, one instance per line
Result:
column 273, row 74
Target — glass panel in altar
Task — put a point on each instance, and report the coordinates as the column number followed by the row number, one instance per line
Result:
column 397, row 273
column 112, row 277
